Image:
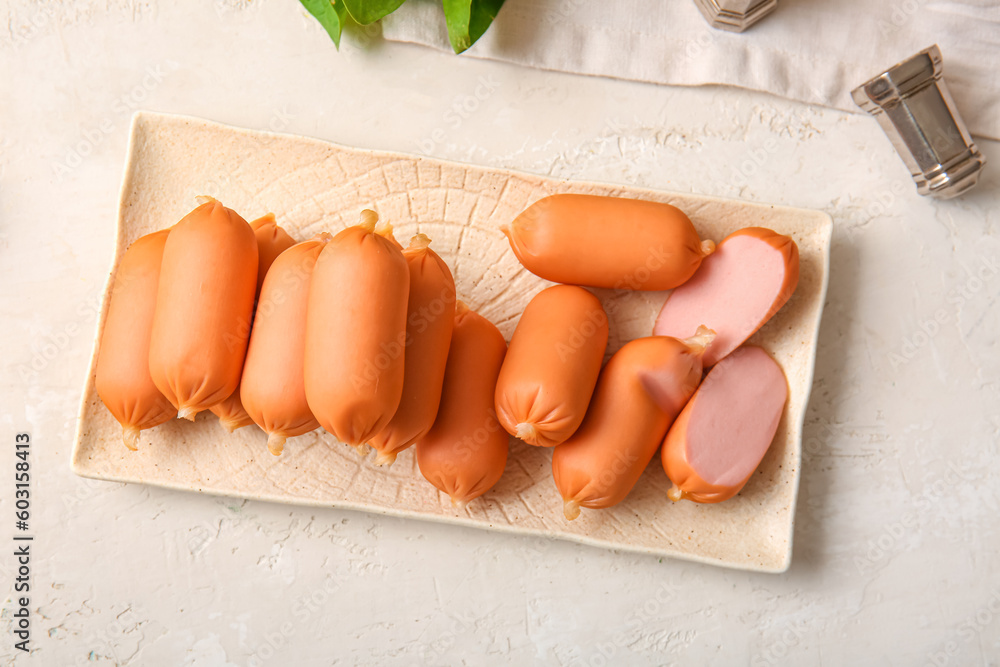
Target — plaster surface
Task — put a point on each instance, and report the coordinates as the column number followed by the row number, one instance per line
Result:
column 897, row 548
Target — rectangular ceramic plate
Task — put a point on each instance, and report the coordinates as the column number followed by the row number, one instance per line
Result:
column 313, row 186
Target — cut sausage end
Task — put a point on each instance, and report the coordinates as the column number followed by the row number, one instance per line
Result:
column 419, row 242
column 736, row 416
column 275, row 443
column 571, row 509
column 384, row 229
column 361, row 449
column 527, row 432
column 700, row 341
column 458, row 503
column 368, row 220
column 187, row 413
column 735, row 291
column 724, row 432
column 231, row 425
column 385, row 458
column 370, row 223
column 676, row 494
column 205, row 199
column 130, row 436
column 707, row 247
column 506, row 230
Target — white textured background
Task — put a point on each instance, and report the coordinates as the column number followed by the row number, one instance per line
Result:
column 897, row 557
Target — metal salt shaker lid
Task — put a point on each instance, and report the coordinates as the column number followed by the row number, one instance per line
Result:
column 912, row 104
column 735, row 15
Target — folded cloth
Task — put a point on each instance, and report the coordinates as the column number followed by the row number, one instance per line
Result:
column 813, row 51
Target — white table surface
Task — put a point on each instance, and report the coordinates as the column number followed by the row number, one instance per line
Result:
column 897, row 547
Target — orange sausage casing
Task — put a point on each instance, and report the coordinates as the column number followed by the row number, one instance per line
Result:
column 272, row 240
column 273, row 386
column 429, row 322
column 231, row 413
column 551, row 369
column 122, row 375
column 356, row 332
column 607, row 242
column 204, row 306
column 465, row 452
column 640, row 392
column 726, row 428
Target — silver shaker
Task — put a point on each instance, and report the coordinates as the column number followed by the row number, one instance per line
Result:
column 735, row 15
column 912, row 104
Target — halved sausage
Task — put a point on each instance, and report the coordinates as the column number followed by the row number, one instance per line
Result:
column 735, row 292
column 607, row 242
column 122, row 375
column 551, row 369
column 356, row 331
column 204, row 306
column 429, row 322
column 465, row 452
column 724, row 431
column 639, row 393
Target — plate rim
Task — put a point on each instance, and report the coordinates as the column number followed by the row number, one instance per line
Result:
column 824, row 227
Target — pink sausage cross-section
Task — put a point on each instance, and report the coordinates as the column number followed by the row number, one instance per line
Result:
column 724, row 431
column 737, row 289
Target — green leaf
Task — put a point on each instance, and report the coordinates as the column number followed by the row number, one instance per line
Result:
column 369, row 11
column 330, row 14
column 468, row 19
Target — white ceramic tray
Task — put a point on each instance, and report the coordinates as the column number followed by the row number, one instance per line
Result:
column 312, row 186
